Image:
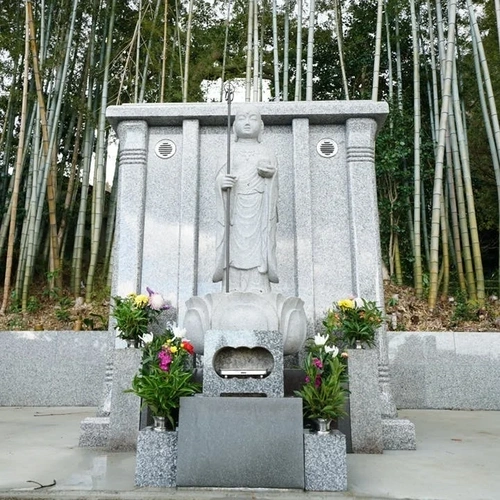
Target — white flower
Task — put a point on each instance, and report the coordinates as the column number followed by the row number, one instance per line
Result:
column 179, row 333
column 333, row 350
column 147, row 338
column 320, row 339
column 156, row 301
column 359, row 302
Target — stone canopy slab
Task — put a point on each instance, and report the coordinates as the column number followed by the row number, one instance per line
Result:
column 273, row 113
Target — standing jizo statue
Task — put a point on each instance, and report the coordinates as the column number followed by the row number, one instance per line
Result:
column 252, row 189
column 246, row 205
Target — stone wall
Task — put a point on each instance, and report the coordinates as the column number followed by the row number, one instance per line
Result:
column 53, row 368
column 445, row 370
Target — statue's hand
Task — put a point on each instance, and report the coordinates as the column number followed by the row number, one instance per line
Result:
column 228, row 182
column 265, row 168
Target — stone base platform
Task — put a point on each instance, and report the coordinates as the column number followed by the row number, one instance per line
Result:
column 398, row 434
column 156, row 459
column 325, row 462
column 94, row 432
column 318, row 464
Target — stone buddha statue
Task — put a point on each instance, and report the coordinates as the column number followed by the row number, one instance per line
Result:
column 252, row 188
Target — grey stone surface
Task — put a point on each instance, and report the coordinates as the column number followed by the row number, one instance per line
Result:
column 247, row 311
column 366, row 420
column 94, row 432
column 365, row 253
column 398, row 434
column 302, row 219
column 50, row 368
column 105, row 402
column 327, row 207
column 188, row 216
column 241, row 442
column 445, row 370
column 131, row 202
column 478, row 375
column 325, row 462
column 156, row 459
column 314, row 207
column 275, row 113
column 125, row 407
column 220, row 340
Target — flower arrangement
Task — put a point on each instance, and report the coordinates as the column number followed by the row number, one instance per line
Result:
column 134, row 313
column 356, row 319
column 166, row 373
column 324, row 390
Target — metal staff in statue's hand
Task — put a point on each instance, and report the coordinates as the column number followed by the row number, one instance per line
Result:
column 230, row 180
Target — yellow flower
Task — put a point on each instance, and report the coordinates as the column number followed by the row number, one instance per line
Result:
column 173, row 349
column 141, row 300
column 346, row 304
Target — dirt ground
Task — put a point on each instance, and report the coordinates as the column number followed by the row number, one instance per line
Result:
column 404, row 312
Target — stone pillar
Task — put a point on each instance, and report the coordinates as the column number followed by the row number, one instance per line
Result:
column 366, row 420
column 127, row 266
column 365, row 237
column 125, row 407
column 129, row 231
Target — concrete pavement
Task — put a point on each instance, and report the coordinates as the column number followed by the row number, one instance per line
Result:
column 457, row 458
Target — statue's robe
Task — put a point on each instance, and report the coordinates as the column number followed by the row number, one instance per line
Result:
column 253, row 215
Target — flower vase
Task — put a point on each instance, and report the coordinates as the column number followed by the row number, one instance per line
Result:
column 322, row 426
column 131, row 343
column 159, row 424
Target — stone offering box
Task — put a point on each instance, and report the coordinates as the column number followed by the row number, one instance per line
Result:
column 243, row 362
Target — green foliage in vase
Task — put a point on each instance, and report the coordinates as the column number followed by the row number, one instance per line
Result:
column 134, row 313
column 324, row 391
column 166, row 374
column 353, row 320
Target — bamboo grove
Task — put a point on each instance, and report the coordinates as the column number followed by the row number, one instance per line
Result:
column 436, row 62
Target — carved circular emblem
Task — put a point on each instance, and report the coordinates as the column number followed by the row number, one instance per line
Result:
column 327, row 148
column 165, row 149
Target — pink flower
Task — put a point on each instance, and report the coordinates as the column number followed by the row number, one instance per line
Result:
column 307, row 379
column 156, row 301
column 317, row 363
column 165, row 360
column 317, row 382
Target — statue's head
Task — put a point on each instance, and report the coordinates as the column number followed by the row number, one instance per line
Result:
column 248, row 123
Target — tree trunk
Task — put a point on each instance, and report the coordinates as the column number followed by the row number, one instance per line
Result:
column 298, row 64
column 438, row 173
column 417, row 263
column 17, row 171
column 378, row 45
column 310, row 52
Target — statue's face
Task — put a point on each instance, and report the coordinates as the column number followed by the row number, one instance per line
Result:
column 247, row 123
